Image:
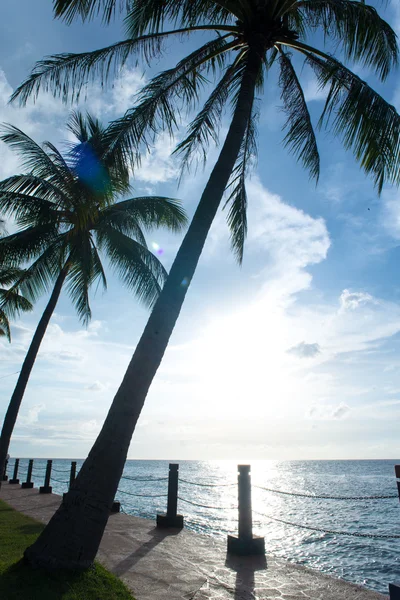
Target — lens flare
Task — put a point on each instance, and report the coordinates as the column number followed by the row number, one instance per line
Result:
column 158, row 250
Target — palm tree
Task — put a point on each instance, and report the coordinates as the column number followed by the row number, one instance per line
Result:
column 12, row 303
column 68, row 214
column 245, row 39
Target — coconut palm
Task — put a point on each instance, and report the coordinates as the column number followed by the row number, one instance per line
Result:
column 245, row 39
column 12, row 303
column 69, row 219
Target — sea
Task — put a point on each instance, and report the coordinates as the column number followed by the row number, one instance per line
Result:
column 329, row 535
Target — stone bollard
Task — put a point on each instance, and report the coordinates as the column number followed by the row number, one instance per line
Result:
column 15, row 475
column 171, row 519
column 245, row 544
column 397, row 472
column 72, row 475
column 46, row 488
column 115, row 507
column 5, row 476
column 394, row 591
column 28, row 484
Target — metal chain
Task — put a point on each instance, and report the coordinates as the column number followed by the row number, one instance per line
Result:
column 144, row 479
column 361, row 535
column 61, row 470
column 326, row 497
column 207, row 484
column 58, row 480
column 143, row 495
column 205, row 505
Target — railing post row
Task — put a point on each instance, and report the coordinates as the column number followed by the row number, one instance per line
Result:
column 15, row 475
column 46, row 488
column 397, row 471
column 171, row 518
column 5, row 476
column 245, row 544
column 28, row 484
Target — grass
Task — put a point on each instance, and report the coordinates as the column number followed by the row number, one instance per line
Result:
column 19, row 582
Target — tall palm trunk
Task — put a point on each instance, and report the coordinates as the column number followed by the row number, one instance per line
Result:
column 16, row 399
column 72, row 537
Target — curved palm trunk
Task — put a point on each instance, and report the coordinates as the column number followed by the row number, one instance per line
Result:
column 72, row 537
column 16, row 399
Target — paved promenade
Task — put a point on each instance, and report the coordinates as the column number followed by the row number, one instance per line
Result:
column 166, row 565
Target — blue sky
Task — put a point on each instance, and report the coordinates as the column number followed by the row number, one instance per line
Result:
column 294, row 355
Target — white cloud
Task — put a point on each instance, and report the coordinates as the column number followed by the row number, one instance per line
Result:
column 312, row 90
column 97, row 386
column 328, row 412
column 353, row 300
column 158, row 166
column 304, row 350
column 32, row 415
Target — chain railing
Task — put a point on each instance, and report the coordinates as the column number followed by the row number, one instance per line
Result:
column 172, row 518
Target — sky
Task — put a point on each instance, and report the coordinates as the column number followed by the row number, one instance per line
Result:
column 293, row 355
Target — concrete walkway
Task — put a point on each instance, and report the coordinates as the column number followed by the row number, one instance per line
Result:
column 166, row 565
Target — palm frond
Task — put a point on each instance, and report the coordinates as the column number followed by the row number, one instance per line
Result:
column 87, row 9
column 300, row 137
column 151, row 15
column 105, row 171
column 136, row 266
column 237, row 199
column 12, row 303
column 158, row 104
column 30, row 186
column 65, row 75
column 34, row 158
column 26, row 245
column 84, row 268
column 206, row 125
column 129, row 216
column 8, row 275
column 4, row 326
column 367, row 124
column 39, row 277
column 363, row 35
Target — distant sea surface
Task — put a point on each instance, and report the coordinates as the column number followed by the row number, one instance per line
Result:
column 371, row 562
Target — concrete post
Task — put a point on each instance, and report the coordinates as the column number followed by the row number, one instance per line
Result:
column 46, row 488
column 72, row 475
column 5, row 476
column 397, row 472
column 115, row 507
column 171, row 519
column 15, row 475
column 394, row 591
column 245, row 544
column 28, row 484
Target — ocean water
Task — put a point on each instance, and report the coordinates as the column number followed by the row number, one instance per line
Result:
column 211, row 508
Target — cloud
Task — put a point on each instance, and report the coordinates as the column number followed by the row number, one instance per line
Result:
column 304, row 350
column 97, row 386
column 158, row 166
column 63, row 355
column 353, row 300
column 328, row 412
column 32, row 415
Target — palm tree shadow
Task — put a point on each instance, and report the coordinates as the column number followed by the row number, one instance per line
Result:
column 157, row 536
column 245, row 567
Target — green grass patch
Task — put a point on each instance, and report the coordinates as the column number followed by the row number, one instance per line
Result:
column 20, row 582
